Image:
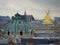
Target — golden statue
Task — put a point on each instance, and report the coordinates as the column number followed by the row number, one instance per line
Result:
column 47, row 19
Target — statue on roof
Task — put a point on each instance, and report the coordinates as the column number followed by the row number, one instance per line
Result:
column 47, row 19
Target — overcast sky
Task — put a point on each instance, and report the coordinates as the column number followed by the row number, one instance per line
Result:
column 37, row 8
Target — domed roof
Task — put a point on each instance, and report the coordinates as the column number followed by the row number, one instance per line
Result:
column 16, row 24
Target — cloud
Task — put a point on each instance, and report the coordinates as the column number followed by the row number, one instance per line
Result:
column 35, row 7
column 48, row 3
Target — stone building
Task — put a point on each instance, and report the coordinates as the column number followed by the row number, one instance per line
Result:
column 44, row 27
column 17, row 26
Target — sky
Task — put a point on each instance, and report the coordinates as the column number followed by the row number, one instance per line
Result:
column 37, row 8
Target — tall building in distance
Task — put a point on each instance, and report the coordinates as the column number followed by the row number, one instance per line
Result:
column 28, row 18
column 4, row 19
column 57, row 21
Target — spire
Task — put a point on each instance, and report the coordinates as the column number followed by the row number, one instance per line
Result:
column 47, row 19
column 25, row 12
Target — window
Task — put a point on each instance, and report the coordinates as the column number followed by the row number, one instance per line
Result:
column 21, row 33
column 8, row 32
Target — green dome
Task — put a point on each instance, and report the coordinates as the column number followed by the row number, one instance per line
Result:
column 17, row 24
